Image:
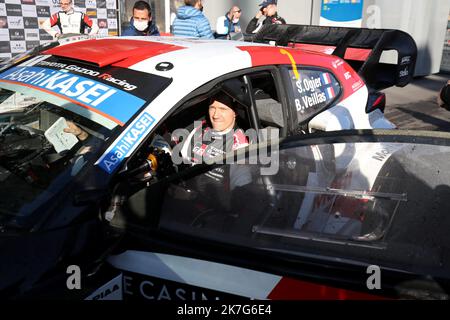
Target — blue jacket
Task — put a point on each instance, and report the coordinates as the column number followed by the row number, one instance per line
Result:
column 191, row 22
column 152, row 30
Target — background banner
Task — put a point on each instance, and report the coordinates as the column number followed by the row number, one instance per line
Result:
column 21, row 20
column 341, row 13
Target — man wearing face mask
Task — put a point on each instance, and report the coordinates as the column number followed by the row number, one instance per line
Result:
column 269, row 10
column 141, row 23
column 229, row 23
column 69, row 21
column 191, row 22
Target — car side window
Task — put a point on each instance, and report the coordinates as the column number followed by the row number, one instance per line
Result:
column 257, row 106
column 319, row 194
column 311, row 91
column 267, row 100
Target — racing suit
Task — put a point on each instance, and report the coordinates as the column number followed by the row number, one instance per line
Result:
column 203, row 144
column 254, row 25
column 69, row 22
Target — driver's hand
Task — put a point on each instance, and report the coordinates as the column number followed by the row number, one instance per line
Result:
column 75, row 130
column 57, row 35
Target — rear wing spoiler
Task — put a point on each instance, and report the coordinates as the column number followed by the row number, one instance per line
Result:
column 361, row 48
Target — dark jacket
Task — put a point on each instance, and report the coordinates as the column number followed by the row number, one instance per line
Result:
column 152, row 30
column 253, row 25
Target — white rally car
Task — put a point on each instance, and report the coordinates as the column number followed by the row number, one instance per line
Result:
column 124, row 99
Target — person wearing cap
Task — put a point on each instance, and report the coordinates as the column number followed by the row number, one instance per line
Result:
column 141, row 23
column 217, row 136
column 219, row 187
column 191, row 22
column 443, row 98
column 228, row 23
column 269, row 10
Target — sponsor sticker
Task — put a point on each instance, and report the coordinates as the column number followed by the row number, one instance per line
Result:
column 13, row 9
column 16, row 34
column 29, row 11
column 313, row 90
column 111, row 4
column 357, row 85
column 44, row 36
column 5, row 47
column 111, row 13
column 101, row 14
column 43, row 11
column 42, row 2
column 91, row 13
column 31, row 35
column 15, row 23
column 404, row 72
column 80, row 3
column 127, row 142
column 32, row 44
column 2, row 9
column 4, row 35
column 111, row 103
column 337, row 63
column 101, row 4
column 405, row 60
column 91, row 4
column 112, row 23
column 18, row 46
column 30, row 23
column 110, row 291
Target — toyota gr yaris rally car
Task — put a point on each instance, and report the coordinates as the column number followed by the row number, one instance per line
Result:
column 68, row 195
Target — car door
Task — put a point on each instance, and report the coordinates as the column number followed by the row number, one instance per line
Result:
column 352, row 215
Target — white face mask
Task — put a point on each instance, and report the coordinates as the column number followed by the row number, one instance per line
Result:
column 236, row 20
column 141, row 25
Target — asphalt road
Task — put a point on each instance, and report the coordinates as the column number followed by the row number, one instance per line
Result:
column 415, row 106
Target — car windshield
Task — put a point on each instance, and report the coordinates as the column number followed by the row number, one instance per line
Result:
column 56, row 115
column 36, row 152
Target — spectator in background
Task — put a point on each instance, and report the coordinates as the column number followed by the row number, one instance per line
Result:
column 191, row 22
column 269, row 11
column 69, row 21
column 174, row 5
column 229, row 23
column 444, row 96
column 141, row 23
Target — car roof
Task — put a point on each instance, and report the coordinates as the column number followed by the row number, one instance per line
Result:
column 144, row 53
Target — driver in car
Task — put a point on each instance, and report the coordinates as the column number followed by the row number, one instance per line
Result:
column 218, row 136
column 218, row 188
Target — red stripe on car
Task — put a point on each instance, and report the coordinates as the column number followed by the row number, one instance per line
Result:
column 290, row 289
column 117, row 52
column 271, row 55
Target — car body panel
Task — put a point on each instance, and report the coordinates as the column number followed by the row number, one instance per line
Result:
column 157, row 78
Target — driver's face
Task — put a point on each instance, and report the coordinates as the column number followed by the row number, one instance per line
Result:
column 221, row 116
